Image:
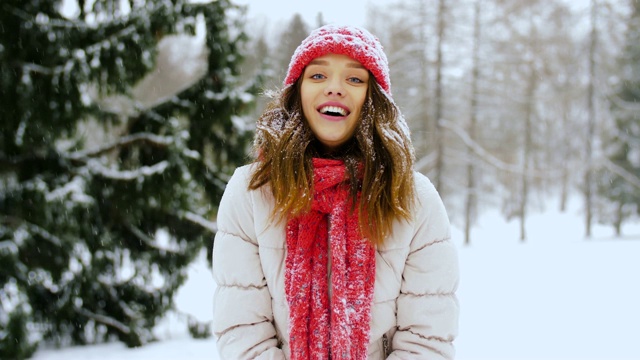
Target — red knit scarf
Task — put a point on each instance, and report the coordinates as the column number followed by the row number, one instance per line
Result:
column 319, row 327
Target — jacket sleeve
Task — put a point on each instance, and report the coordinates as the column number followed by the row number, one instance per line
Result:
column 242, row 316
column 427, row 307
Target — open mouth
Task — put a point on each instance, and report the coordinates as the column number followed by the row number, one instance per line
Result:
column 336, row 111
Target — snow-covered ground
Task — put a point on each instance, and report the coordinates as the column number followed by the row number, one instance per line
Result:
column 557, row 296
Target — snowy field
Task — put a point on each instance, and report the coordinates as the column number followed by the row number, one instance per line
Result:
column 557, row 296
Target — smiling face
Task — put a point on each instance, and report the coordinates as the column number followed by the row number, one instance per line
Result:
column 333, row 90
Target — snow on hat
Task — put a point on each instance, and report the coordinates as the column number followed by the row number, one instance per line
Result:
column 352, row 41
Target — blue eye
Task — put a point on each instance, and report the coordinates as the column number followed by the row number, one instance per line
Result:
column 356, row 80
column 317, row 76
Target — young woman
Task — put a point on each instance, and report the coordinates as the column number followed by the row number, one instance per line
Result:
column 329, row 245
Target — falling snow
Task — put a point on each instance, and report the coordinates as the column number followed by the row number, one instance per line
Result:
column 518, row 301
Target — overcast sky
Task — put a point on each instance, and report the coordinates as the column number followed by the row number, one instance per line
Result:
column 277, row 13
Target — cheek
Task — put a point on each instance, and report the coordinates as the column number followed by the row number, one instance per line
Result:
column 307, row 111
column 360, row 103
column 305, row 100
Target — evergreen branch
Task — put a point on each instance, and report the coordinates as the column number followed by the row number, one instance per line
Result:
column 146, row 239
column 199, row 220
column 85, row 155
column 632, row 106
column 75, row 187
column 95, row 47
column 90, row 50
column 44, row 234
column 97, row 168
column 106, row 320
column 38, row 69
column 8, row 245
column 197, row 327
column 7, row 162
column 109, row 281
column 145, row 138
column 33, row 228
column 59, row 23
column 620, row 171
column 128, row 310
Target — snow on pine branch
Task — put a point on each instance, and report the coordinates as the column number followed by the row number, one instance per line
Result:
column 620, row 171
column 199, row 220
column 625, row 105
column 44, row 234
column 103, row 319
column 47, row 24
column 149, row 138
column 74, row 187
column 127, row 175
column 79, row 55
column 149, row 241
column 8, row 246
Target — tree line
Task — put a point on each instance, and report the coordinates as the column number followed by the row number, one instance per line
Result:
column 108, row 186
column 123, row 120
column 512, row 104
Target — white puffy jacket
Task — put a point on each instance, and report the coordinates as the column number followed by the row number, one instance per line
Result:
column 415, row 310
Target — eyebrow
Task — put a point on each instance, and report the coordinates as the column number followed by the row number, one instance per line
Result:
column 353, row 64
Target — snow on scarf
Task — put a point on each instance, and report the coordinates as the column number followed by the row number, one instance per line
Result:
column 319, row 327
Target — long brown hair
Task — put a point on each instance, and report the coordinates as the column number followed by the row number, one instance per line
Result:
column 285, row 145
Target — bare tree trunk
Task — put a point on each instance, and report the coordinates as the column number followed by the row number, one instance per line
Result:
column 588, row 181
column 565, row 173
column 526, row 154
column 426, row 124
column 471, row 202
column 528, row 136
column 617, row 224
column 438, row 101
column 564, row 195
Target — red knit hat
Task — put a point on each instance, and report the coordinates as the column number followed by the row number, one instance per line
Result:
column 355, row 42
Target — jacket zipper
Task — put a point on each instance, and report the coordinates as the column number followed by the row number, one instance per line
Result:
column 385, row 345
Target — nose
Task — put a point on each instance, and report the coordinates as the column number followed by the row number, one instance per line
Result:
column 334, row 87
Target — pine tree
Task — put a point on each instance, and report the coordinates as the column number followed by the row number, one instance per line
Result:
column 296, row 31
column 257, row 69
column 104, row 199
column 623, row 144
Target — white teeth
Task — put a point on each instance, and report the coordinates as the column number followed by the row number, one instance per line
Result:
column 333, row 109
